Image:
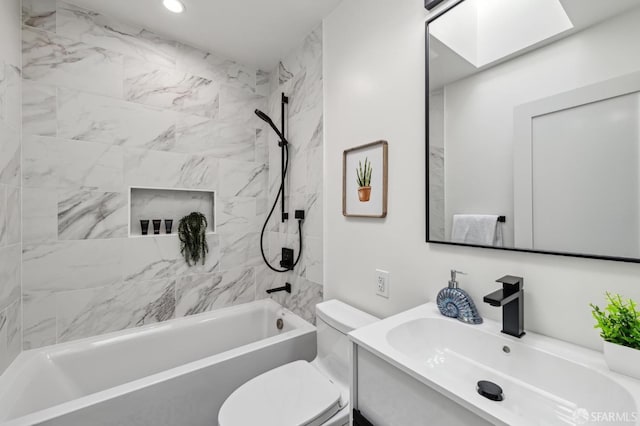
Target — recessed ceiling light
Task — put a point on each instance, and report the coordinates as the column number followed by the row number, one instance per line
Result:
column 174, row 6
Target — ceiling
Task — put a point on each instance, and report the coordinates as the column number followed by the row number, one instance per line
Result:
column 253, row 32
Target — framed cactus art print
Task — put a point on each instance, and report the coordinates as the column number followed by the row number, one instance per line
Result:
column 364, row 180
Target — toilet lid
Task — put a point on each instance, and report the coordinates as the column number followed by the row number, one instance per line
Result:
column 292, row 395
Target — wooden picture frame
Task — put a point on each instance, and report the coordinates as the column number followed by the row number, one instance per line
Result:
column 365, row 180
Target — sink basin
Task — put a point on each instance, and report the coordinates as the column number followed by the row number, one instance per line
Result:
column 544, row 381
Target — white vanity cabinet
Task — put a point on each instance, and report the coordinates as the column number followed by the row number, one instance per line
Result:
column 421, row 368
column 386, row 396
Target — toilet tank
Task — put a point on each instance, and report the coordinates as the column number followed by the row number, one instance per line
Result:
column 334, row 320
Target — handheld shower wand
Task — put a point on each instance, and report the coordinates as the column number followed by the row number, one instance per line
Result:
column 264, row 117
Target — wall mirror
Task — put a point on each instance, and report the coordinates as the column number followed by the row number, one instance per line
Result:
column 534, row 126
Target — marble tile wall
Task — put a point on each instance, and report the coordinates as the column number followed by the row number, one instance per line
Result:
column 10, row 190
column 436, row 193
column 107, row 106
column 436, row 166
column 299, row 76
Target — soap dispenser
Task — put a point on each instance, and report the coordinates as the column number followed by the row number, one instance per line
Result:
column 454, row 302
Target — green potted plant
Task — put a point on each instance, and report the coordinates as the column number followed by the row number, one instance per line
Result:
column 619, row 324
column 364, row 180
column 192, row 231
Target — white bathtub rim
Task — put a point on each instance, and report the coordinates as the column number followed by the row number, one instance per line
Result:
column 55, row 350
column 22, row 362
column 181, row 322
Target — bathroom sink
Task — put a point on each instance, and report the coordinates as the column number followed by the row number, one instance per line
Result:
column 544, row 381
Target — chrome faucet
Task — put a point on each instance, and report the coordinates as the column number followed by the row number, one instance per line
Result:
column 511, row 299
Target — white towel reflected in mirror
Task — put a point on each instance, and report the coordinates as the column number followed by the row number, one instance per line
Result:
column 478, row 229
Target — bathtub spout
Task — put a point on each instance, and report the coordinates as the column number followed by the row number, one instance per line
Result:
column 286, row 287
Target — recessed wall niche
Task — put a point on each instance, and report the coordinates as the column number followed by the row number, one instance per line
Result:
column 168, row 204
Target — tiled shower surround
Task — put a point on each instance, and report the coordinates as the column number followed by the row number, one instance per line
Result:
column 10, row 188
column 107, row 106
column 299, row 76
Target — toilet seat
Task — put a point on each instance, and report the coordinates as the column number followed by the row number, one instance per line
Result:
column 294, row 394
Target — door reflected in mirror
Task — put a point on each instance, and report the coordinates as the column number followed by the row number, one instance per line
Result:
column 534, row 126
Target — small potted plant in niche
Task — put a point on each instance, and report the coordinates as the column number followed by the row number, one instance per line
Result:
column 192, row 231
column 619, row 325
column 364, row 180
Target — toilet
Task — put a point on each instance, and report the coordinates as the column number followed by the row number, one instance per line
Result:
column 303, row 393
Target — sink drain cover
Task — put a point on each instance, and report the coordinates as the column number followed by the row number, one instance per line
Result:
column 490, row 390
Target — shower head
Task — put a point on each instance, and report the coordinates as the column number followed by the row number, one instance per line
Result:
column 264, row 117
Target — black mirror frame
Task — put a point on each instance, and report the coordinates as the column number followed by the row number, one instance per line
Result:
column 430, row 4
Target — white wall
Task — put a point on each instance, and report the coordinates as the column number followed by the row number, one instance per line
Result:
column 374, row 89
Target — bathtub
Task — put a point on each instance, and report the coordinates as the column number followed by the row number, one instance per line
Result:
column 174, row 373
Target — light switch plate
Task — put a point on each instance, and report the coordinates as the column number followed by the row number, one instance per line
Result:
column 382, row 283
